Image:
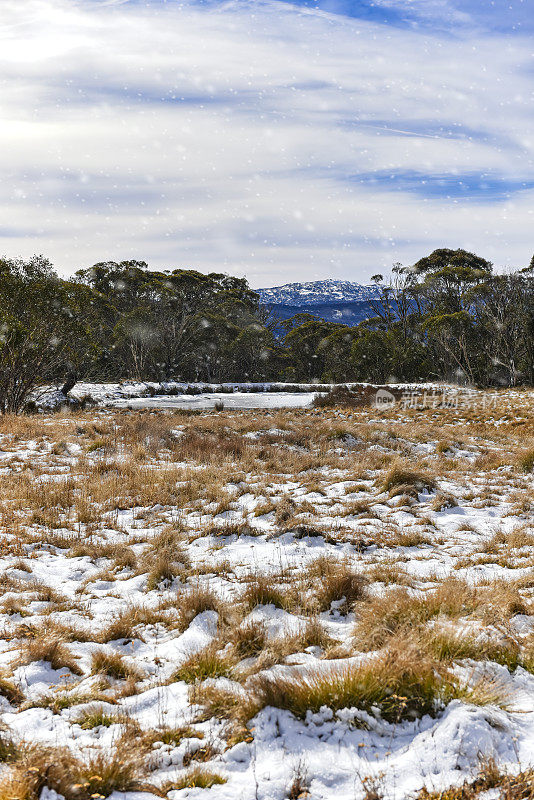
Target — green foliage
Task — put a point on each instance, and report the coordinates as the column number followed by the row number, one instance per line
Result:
column 447, row 317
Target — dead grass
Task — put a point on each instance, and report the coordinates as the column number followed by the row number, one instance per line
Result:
column 262, row 591
column 118, row 769
column 127, row 623
column 403, row 682
column 207, row 663
column 249, row 639
column 383, row 616
column 526, row 460
column 196, row 601
column 177, row 482
column 114, row 665
column 333, row 580
column 401, row 479
column 518, row 786
column 49, row 649
column 10, row 691
column 197, row 777
column 236, row 705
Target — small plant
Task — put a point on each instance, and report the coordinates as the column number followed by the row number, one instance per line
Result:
column 299, row 787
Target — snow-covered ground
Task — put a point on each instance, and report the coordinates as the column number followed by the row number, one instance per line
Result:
column 156, row 565
column 214, row 399
column 140, row 394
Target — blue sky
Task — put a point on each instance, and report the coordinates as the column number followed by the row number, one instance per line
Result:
column 280, row 141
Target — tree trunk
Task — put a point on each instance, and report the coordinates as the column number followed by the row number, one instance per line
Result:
column 70, row 382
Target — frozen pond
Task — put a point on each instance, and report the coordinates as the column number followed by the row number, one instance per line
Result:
column 230, row 400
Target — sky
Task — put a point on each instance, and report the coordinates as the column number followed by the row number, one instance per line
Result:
column 272, row 140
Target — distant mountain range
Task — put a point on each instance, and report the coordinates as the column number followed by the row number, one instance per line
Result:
column 332, row 300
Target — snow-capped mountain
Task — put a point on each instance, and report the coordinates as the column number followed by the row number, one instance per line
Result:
column 316, row 293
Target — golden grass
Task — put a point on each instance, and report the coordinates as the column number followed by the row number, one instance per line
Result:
column 403, row 682
column 137, row 461
column 114, row 665
column 196, row 777
column 49, row 649
column 207, row 663
column 97, row 775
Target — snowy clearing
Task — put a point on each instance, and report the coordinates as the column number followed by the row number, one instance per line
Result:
column 268, row 604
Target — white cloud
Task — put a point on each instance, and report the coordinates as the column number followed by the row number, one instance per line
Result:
column 244, row 137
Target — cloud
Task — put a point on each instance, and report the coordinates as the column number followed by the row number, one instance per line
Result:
column 259, row 138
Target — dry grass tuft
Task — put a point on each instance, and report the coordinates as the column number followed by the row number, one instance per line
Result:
column 249, row 639
column 207, row 663
column 260, row 591
column 404, row 682
column 114, row 665
column 197, row 777
column 195, row 602
column 118, row 769
column 49, row 649
column 399, row 479
column 526, row 460
column 10, row 691
column 333, row 581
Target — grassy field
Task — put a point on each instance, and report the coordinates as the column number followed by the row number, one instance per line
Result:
column 270, row 604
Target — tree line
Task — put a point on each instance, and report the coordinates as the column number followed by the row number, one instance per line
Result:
column 449, row 316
